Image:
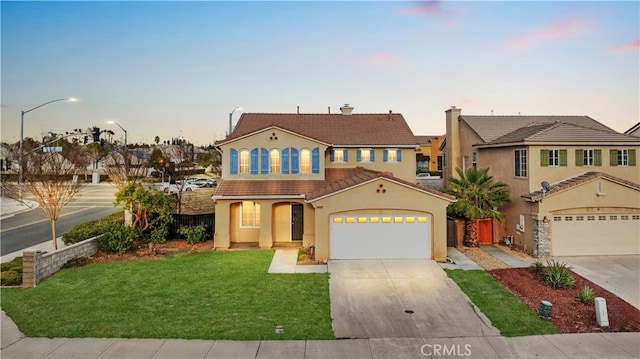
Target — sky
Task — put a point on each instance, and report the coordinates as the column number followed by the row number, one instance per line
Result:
column 177, row 69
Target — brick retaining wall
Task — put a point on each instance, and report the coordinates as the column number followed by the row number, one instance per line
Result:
column 37, row 266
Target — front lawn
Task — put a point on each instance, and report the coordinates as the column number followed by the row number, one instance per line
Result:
column 507, row 313
column 212, row 295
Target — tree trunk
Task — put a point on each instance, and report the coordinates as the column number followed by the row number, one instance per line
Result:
column 471, row 235
column 53, row 232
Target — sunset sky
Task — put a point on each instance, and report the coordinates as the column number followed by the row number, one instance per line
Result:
column 176, row 69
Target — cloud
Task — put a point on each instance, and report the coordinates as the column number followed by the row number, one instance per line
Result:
column 437, row 10
column 563, row 29
column 383, row 58
column 633, row 45
column 466, row 101
column 433, row 7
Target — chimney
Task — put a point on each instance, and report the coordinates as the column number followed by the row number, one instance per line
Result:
column 329, row 110
column 298, row 110
column 346, row 109
column 390, row 115
column 452, row 148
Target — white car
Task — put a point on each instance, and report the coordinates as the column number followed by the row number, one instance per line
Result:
column 174, row 188
column 426, row 176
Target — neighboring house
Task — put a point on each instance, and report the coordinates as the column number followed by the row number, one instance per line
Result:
column 592, row 205
column 634, row 131
column 344, row 183
column 429, row 156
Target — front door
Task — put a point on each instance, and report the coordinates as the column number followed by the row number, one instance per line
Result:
column 297, row 221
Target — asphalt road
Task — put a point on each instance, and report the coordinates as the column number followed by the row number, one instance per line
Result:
column 27, row 229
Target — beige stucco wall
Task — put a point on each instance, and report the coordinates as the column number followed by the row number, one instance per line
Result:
column 267, row 139
column 406, row 169
column 459, row 146
column 397, row 199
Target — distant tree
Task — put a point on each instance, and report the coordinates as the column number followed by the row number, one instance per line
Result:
column 479, row 196
column 157, row 139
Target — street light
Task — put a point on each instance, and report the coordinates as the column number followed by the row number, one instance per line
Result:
column 22, row 113
column 230, row 118
column 112, row 122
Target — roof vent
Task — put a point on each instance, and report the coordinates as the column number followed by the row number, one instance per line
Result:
column 346, row 109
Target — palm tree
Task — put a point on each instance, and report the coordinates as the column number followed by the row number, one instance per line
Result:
column 479, row 196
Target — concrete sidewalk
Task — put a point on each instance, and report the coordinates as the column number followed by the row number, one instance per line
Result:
column 285, row 261
column 10, row 206
column 505, row 257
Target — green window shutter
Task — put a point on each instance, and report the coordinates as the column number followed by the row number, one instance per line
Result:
column 613, row 157
column 632, row 157
column 597, row 157
column 563, row 158
column 579, row 158
column 544, row 157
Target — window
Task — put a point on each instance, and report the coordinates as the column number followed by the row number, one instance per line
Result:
column 635, row 217
column 274, row 161
column 365, row 155
column 520, row 163
column 624, row 218
column 339, row 156
column 440, row 161
column 305, row 161
column 250, row 213
column 474, row 159
column 392, row 156
column 602, row 218
column 622, row 157
column 613, row 218
column 568, row 218
column 553, row 158
column 557, row 219
column 588, row 157
column 591, row 218
column 244, row 161
column 579, row 218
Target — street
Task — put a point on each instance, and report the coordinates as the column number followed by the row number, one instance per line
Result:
column 29, row 228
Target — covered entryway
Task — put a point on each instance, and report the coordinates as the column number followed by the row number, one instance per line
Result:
column 388, row 236
column 288, row 222
column 595, row 234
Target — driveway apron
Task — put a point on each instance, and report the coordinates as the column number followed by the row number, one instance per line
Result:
column 400, row 299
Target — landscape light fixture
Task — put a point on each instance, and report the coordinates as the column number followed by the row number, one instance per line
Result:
column 20, row 154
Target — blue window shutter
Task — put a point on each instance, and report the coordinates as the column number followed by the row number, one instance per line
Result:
column 346, row 155
column 399, row 155
column 233, row 161
column 254, row 161
column 373, row 155
column 385, row 155
column 295, row 162
column 331, row 156
column 264, row 161
column 284, row 164
column 358, row 155
column 315, row 160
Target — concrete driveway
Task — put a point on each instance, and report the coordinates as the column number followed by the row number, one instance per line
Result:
column 400, row 299
column 619, row 275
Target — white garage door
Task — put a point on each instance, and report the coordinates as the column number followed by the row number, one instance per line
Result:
column 601, row 234
column 380, row 237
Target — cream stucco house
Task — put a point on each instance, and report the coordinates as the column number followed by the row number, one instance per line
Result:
column 344, row 183
column 591, row 203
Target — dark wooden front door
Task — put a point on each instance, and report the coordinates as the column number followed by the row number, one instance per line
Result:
column 297, row 221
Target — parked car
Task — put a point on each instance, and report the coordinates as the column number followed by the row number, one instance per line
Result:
column 201, row 182
column 175, row 187
column 426, row 175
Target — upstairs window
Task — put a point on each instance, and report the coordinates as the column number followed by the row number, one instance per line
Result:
column 244, row 161
column 520, row 163
column 392, row 156
column 365, row 155
column 622, row 157
column 339, row 156
column 250, row 213
column 588, row 157
column 305, row 160
column 553, row 158
column 274, row 161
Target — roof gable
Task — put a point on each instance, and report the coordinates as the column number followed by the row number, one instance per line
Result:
column 491, row 128
column 569, row 183
column 335, row 129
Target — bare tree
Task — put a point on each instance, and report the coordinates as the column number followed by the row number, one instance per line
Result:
column 51, row 178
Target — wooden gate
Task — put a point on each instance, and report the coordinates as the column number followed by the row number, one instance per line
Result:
column 485, row 230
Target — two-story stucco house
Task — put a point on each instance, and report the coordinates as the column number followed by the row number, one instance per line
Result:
column 590, row 201
column 342, row 182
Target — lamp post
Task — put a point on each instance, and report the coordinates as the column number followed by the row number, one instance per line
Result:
column 126, row 150
column 112, row 122
column 230, row 119
column 20, row 154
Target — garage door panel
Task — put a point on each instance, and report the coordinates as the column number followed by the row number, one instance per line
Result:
column 602, row 234
column 388, row 237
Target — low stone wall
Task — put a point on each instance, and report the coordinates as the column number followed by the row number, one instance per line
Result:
column 37, row 266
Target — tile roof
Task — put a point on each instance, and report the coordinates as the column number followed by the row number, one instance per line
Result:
column 536, row 196
column 334, row 129
column 560, row 132
column 337, row 179
column 425, row 139
column 490, row 128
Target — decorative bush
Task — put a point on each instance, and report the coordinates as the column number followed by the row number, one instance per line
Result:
column 77, row 262
column 14, row 265
column 558, row 275
column 536, row 268
column 10, row 277
column 91, row 229
column 586, row 295
column 193, row 234
column 117, row 238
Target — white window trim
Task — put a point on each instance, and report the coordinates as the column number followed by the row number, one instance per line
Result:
column 255, row 218
column 588, row 158
column 555, row 157
column 623, row 158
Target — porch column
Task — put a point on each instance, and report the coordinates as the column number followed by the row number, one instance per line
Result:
column 309, row 219
column 221, row 237
column 265, row 238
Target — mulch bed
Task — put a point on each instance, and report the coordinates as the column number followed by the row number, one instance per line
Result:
column 568, row 314
column 142, row 251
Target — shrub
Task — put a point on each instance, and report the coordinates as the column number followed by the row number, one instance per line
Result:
column 117, row 238
column 91, row 229
column 193, row 234
column 536, row 268
column 558, row 275
column 10, row 277
column 586, row 295
column 14, row 265
column 77, row 262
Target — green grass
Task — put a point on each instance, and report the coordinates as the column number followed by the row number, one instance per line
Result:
column 506, row 311
column 213, row 295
